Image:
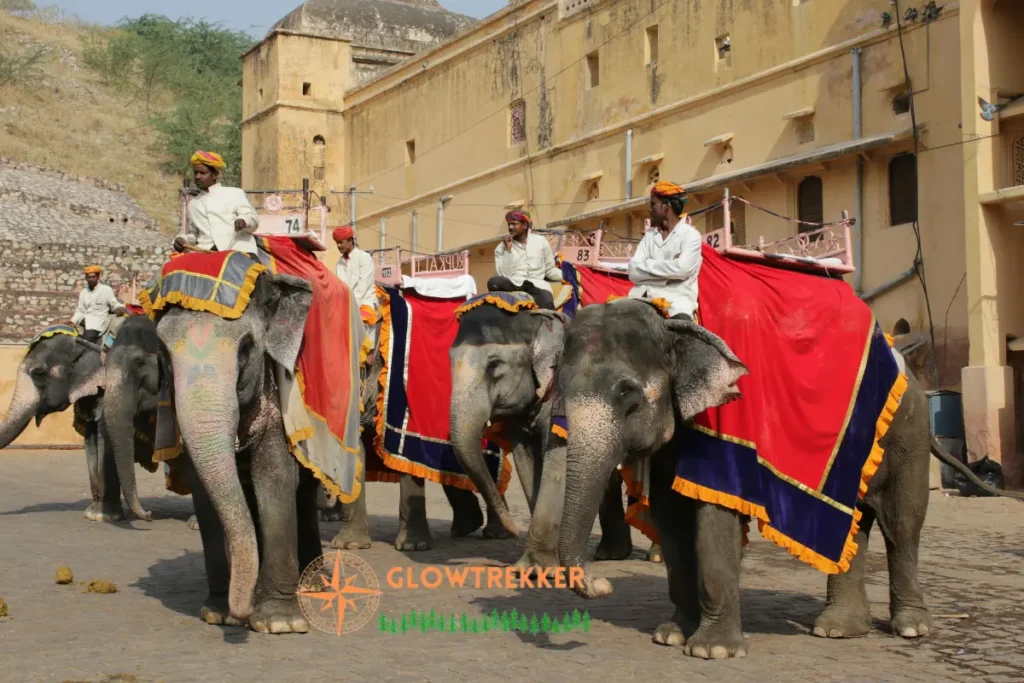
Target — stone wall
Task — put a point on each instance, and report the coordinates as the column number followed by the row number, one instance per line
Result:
column 52, row 224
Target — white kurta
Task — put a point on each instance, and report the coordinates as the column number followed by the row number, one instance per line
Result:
column 212, row 217
column 357, row 273
column 94, row 305
column 533, row 261
column 667, row 267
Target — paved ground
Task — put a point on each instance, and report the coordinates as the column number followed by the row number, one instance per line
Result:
column 149, row 630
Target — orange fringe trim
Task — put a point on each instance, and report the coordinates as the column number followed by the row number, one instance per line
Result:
column 400, row 465
column 495, row 301
column 196, row 304
column 369, row 315
column 802, row 552
column 661, row 304
column 559, row 431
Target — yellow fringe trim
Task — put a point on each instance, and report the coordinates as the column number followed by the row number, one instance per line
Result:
column 369, row 315
column 495, row 301
column 204, row 305
column 662, row 305
column 557, row 430
column 400, row 465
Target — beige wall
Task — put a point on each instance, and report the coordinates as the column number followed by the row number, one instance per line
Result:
column 55, row 430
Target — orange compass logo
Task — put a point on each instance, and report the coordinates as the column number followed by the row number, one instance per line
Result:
column 338, row 593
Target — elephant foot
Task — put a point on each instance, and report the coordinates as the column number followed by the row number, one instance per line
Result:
column 193, row 523
column 716, row 642
column 614, row 546
column 654, row 554
column 413, row 537
column 467, row 521
column 215, row 612
column 495, row 531
column 839, row 622
column 105, row 512
column 349, row 538
column 278, row 616
column 911, row 622
column 537, row 559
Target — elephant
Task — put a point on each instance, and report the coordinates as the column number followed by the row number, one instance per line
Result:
column 503, row 369
column 256, row 505
column 59, row 371
column 630, row 378
column 414, row 530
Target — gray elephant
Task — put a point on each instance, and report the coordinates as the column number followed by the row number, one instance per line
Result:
column 630, row 378
column 257, row 507
column 414, row 529
column 59, row 370
column 503, row 369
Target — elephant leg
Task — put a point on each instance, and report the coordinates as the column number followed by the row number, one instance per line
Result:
column 308, row 518
column 616, row 535
column 103, row 482
column 354, row 533
column 413, row 530
column 275, row 478
column 719, row 541
column 218, row 574
column 495, row 530
column 655, row 554
column 847, row 613
column 675, row 520
column 467, row 516
column 900, row 518
column 542, row 540
column 529, row 472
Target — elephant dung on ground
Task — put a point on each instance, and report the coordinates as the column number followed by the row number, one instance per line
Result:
column 629, row 379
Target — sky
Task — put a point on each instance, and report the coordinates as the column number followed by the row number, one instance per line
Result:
column 253, row 16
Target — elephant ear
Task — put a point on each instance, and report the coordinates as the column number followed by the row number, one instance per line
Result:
column 706, row 369
column 546, row 352
column 286, row 325
column 87, row 377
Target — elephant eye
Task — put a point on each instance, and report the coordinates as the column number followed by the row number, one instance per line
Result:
column 628, row 393
column 495, row 366
column 37, row 372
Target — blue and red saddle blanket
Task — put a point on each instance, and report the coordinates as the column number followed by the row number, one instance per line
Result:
column 798, row 450
column 412, row 423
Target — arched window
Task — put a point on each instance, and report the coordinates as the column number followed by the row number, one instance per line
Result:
column 319, row 158
column 903, row 189
column 810, row 203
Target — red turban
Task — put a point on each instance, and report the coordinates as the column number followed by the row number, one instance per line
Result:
column 343, row 233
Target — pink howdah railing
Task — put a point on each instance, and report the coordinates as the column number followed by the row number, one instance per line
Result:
column 288, row 213
column 826, row 250
column 388, row 264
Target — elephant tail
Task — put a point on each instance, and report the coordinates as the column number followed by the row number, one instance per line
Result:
column 947, row 458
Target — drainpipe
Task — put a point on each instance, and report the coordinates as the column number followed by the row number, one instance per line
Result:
column 383, row 232
column 440, row 221
column 629, row 164
column 352, row 205
column 415, row 241
column 882, row 289
column 858, row 228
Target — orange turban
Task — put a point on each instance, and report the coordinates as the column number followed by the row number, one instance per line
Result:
column 343, row 233
column 211, row 159
column 519, row 216
column 89, row 270
column 667, row 189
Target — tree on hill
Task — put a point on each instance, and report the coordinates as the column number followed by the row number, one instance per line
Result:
column 185, row 76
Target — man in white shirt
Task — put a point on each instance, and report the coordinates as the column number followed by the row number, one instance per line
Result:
column 220, row 218
column 355, row 269
column 667, row 260
column 524, row 262
column 95, row 304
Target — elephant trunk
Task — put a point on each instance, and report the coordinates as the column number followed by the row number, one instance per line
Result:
column 470, row 411
column 23, row 406
column 594, row 448
column 206, row 403
column 119, row 431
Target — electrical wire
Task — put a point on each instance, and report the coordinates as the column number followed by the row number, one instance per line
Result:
column 919, row 258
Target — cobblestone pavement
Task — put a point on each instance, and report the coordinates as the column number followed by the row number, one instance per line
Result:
column 150, row 631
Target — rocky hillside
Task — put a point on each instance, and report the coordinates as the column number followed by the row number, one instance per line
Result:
column 56, row 113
